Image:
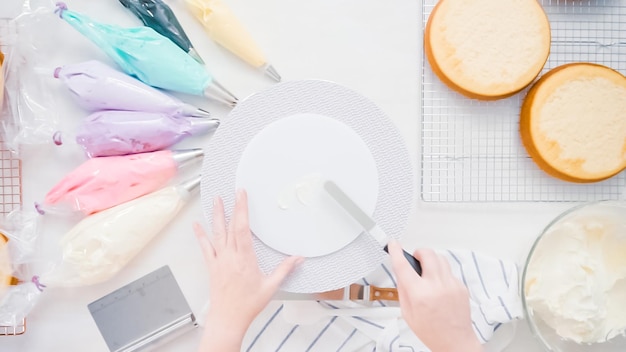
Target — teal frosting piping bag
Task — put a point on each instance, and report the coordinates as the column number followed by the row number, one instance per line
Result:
column 159, row 16
column 147, row 55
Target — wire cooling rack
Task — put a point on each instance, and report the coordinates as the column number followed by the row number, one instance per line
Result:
column 10, row 180
column 471, row 150
column 10, row 166
column 18, row 329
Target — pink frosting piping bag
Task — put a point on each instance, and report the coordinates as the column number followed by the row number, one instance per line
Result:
column 100, row 183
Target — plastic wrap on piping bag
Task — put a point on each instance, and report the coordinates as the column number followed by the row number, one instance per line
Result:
column 30, row 110
column 6, row 269
column 159, row 16
column 112, row 133
column 20, row 289
column 19, row 301
column 32, row 253
column 1, row 76
column 147, row 55
column 97, row 86
column 100, row 245
column 101, row 183
column 22, row 229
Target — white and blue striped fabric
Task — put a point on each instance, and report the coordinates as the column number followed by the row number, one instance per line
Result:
column 494, row 300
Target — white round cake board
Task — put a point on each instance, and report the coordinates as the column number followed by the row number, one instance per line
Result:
column 282, row 169
column 361, row 255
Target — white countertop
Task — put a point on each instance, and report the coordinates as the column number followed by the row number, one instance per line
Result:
column 373, row 47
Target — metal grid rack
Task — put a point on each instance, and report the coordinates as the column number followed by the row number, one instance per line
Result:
column 10, row 177
column 471, row 150
column 13, row 330
column 10, row 166
column 10, row 180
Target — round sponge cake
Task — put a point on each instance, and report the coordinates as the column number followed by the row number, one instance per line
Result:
column 573, row 122
column 487, row 49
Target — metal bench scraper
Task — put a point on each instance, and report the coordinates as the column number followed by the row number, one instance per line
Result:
column 144, row 314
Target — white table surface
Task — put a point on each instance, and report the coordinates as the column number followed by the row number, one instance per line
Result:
column 373, row 47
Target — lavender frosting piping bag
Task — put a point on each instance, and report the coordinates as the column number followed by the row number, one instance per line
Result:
column 160, row 17
column 147, row 55
column 110, row 133
column 97, row 86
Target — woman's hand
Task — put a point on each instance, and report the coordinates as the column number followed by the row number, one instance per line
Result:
column 238, row 288
column 435, row 305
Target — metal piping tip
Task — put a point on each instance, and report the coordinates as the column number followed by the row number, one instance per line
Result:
column 217, row 92
column 201, row 113
column 271, row 72
column 185, row 156
column 194, row 54
column 223, row 89
column 192, row 185
column 203, row 125
column 190, row 110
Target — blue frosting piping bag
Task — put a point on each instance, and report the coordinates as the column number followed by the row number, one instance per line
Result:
column 147, row 55
column 159, row 16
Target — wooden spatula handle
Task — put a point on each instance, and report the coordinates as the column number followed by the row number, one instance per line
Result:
column 381, row 293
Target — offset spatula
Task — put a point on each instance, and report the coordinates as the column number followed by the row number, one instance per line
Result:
column 368, row 224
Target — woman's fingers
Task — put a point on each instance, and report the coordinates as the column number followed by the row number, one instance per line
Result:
column 240, row 229
column 404, row 271
column 408, row 280
column 237, row 233
column 446, row 270
column 431, row 266
column 283, row 270
column 220, row 236
column 208, row 251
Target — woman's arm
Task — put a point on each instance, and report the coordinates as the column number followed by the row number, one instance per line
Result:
column 238, row 288
column 435, row 305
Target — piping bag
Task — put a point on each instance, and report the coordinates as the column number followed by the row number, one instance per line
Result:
column 1, row 81
column 111, row 132
column 19, row 233
column 221, row 24
column 100, row 245
column 6, row 270
column 97, row 86
column 152, row 58
column 159, row 16
column 101, row 183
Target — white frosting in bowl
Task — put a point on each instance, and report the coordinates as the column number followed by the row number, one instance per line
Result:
column 576, row 276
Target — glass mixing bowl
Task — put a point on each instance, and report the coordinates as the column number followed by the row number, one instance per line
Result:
column 559, row 258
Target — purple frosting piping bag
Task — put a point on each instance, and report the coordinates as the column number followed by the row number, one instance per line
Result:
column 97, row 86
column 110, row 132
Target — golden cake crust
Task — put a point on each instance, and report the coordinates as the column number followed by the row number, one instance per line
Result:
column 546, row 152
column 444, row 60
